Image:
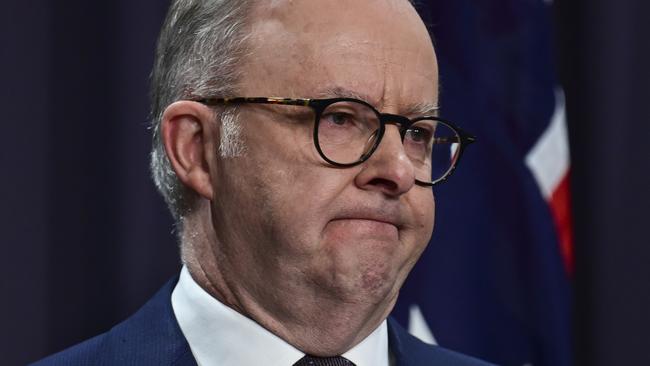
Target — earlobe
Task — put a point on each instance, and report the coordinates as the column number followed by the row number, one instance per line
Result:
column 187, row 134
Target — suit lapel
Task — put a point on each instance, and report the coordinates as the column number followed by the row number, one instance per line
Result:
column 395, row 343
column 186, row 359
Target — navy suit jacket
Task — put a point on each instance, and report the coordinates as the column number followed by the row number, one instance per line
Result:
column 152, row 337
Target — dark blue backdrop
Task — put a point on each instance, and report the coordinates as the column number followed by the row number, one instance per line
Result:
column 86, row 239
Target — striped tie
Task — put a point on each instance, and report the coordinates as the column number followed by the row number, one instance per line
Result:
column 323, row 361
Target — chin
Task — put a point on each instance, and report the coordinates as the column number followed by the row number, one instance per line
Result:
column 373, row 285
column 363, row 270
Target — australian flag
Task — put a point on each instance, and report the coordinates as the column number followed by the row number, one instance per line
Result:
column 495, row 280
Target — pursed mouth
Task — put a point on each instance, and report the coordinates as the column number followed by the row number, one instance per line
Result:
column 370, row 219
column 343, row 229
column 368, row 216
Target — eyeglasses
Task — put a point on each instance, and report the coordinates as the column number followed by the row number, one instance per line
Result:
column 347, row 131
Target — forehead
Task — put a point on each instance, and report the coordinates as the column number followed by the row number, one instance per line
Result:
column 376, row 48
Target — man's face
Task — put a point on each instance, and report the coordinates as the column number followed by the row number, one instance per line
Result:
column 292, row 229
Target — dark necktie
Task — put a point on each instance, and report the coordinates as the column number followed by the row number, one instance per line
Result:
column 323, row 361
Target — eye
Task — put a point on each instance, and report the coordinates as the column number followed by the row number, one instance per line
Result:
column 339, row 118
column 419, row 135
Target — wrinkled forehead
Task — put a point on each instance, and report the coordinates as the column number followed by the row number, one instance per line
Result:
column 377, row 48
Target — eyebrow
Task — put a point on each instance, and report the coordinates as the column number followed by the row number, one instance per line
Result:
column 422, row 109
column 413, row 109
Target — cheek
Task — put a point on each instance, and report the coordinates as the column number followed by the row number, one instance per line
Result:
column 424, row 205
column 417, row 236
column 292, row 205
column 290, row 186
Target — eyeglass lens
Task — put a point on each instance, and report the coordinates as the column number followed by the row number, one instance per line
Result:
column 348, row 131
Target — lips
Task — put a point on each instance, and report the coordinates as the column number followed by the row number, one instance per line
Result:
column 353, row 230
column 383, row 215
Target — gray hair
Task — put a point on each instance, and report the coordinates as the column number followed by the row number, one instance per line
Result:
column 200, row 45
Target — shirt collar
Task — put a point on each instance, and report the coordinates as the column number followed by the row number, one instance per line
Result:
column 218, row 335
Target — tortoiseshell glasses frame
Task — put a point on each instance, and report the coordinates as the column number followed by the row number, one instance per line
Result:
column 415, row 129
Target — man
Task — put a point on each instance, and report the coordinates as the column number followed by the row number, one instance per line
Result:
column 301, row 216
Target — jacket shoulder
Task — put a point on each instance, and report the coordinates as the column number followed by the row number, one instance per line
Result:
column 151, row 336
column 85, row 353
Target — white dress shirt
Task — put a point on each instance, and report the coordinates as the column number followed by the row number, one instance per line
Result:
column 220, row 336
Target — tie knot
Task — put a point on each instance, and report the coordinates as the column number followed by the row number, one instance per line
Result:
column 323, row 361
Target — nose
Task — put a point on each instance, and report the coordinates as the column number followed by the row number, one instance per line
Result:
column 389, row 170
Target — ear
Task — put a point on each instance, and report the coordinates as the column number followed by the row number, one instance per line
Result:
column 188, row 133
